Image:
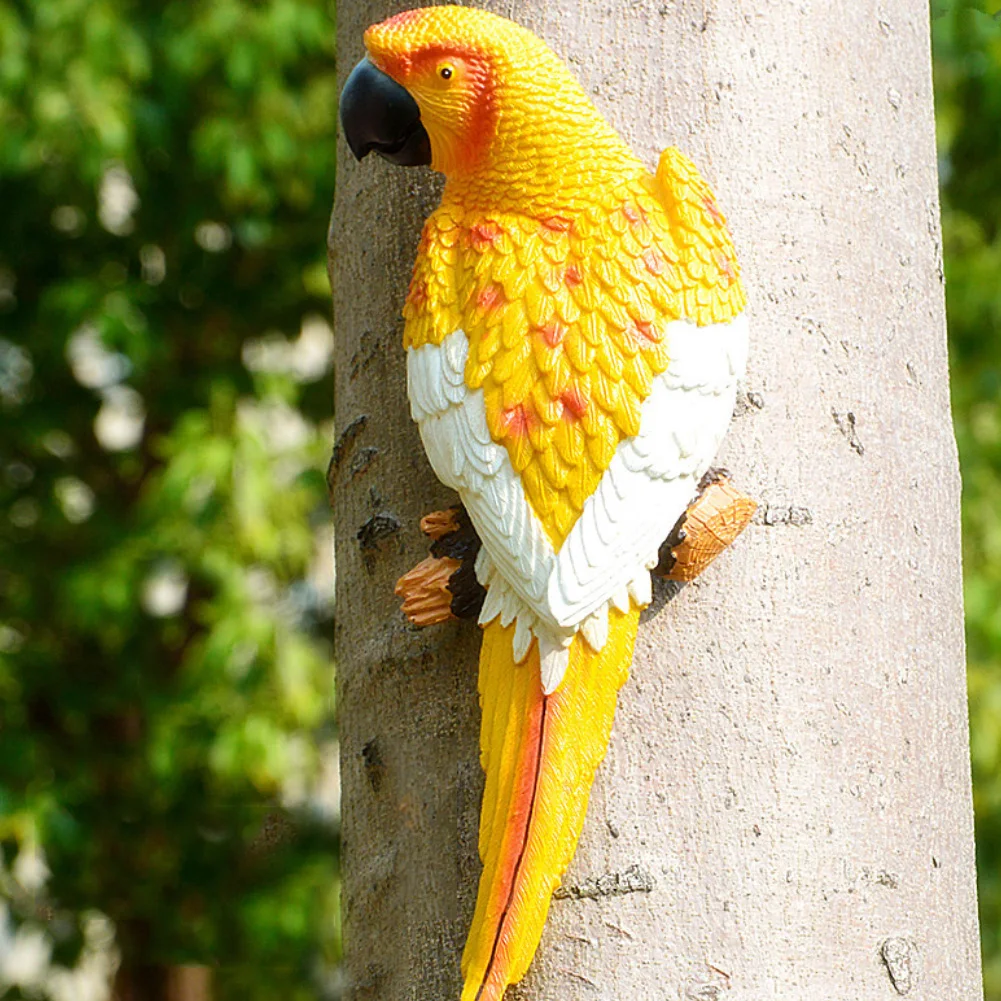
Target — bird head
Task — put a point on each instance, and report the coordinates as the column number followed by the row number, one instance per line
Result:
column 478, row 98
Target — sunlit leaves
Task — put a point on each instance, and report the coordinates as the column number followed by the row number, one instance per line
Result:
column 165, row 681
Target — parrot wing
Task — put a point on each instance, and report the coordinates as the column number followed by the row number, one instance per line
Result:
column 517, row 558
column 653, row 475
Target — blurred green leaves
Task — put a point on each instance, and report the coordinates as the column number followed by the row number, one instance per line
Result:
column 166, row 172
column 967, row 43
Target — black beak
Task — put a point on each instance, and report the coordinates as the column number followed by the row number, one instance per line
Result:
column 378, row 114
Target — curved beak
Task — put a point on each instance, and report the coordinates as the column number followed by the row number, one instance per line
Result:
column 378, row 114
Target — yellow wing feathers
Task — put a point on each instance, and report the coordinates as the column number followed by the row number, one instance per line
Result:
column 566, row 318
column 712, row 292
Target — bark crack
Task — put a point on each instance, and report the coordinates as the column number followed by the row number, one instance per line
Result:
column 634, row 879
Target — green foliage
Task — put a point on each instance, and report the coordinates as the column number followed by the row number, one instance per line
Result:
column 166, row 172
column 968, row 89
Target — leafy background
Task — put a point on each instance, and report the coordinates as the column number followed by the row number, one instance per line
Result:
column 168, row 795
column 967, row 45
column 166, row 690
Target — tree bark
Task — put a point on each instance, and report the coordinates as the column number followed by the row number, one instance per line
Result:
column 785, row 809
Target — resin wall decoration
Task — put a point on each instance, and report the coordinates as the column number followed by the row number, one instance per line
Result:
column 574, row 337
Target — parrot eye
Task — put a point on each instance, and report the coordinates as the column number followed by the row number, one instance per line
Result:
column 446, row 72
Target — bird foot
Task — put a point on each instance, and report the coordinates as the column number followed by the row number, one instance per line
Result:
column 444, row 586
column 427, row 601
column 719, row 513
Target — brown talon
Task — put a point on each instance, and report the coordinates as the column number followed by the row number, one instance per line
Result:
column 427, row 601
column 713, row 520
column 444, row 586
column 439, row 523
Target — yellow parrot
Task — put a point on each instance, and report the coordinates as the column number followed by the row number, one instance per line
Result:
column 574, row 336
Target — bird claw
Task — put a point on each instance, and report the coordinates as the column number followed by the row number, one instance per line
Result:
column 712, row 521
column 444, row 586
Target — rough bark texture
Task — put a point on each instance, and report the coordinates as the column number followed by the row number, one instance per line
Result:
column 785, row 808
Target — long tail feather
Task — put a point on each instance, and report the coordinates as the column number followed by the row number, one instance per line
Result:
column 540, row 753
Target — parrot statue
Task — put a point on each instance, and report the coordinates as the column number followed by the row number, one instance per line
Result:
column 574, row 333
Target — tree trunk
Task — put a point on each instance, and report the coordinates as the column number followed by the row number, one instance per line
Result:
column 786, row 800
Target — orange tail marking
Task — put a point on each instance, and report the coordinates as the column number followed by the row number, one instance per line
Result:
column 540, row 754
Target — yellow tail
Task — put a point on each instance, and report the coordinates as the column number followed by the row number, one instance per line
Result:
column 540, row 753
